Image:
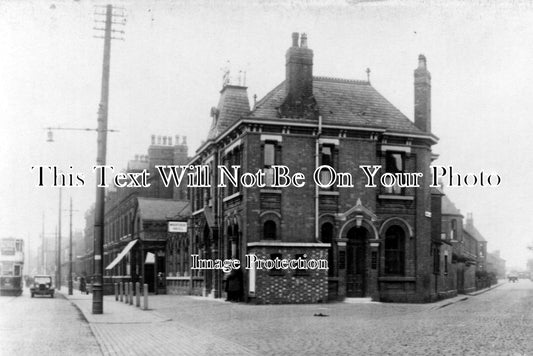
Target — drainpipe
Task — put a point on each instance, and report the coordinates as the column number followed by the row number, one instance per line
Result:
column 317, row 162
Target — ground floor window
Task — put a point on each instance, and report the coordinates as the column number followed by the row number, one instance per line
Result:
column 395, row 251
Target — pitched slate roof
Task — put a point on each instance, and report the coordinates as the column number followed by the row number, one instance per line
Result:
column 448, row 207
column 232, row 105
column 343, row 102
column 161, row 209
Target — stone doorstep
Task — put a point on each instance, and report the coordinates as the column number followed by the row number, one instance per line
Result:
column 359, row 301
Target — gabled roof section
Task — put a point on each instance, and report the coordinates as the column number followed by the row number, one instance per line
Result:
column 233, row 105
column 448, row 207
column 343, row 102
column 472, row 231
column 161, row 209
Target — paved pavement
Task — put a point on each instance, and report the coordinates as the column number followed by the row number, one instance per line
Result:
column 43, row 326
column 494, row 322
column 124, row 329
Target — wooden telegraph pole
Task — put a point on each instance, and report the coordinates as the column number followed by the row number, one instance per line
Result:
column 98, row 277
column 58, row 255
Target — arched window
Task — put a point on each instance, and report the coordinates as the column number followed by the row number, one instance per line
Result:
column 326, row 236
column 269, row 230
column 395, row 251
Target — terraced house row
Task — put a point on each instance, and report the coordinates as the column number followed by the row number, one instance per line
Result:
column 388, row 243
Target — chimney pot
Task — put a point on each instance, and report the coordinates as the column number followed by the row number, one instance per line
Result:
column 295, row 36
column 164, row 140
column 170, row 140
column 153, row 139
column 184, row 140
column 422, row 61
column 177, row 139
column 303, row 41
column 136, row 157
column 158, row 140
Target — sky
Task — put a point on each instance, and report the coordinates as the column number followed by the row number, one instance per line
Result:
column 167, row 73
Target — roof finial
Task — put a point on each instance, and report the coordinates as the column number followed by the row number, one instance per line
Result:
column 226, row 75
column 368, row 75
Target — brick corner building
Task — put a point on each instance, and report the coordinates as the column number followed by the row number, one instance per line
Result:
column 380, row 241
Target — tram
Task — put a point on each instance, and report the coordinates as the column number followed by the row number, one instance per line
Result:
column 11, row 263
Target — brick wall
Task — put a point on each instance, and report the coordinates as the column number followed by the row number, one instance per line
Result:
column 288, row 286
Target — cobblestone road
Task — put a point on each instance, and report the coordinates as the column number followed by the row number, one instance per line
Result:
column 499, row 322
column 43, row 326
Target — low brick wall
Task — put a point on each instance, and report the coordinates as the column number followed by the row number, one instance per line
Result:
column 290, row 286
column 185, row 285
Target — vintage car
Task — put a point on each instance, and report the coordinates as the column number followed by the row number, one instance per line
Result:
column 42, row 285
column 513, row 277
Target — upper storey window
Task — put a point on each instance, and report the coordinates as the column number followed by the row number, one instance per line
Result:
column 270, row 158
column 327, row 159
column 394, row 163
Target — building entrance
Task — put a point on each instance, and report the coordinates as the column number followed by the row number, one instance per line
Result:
column 356, row 255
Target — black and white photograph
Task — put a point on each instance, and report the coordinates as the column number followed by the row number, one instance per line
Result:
column 298, row 177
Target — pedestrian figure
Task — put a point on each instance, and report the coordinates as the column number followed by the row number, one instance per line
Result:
column 160, row 283
column 234, row 285
column 83, row 285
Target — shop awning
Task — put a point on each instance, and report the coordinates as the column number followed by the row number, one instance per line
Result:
column 121, row 254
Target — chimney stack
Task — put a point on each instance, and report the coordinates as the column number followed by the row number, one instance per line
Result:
column 469, row 220
column 422, row 96
column 298, row 77
column 299, row 69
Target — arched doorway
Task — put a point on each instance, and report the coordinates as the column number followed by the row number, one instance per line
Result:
column 356, row 262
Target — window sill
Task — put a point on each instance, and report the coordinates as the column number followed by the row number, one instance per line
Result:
column 328, row 192
column 271, row 191
column 396, row 197
column 396, row 279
